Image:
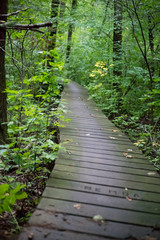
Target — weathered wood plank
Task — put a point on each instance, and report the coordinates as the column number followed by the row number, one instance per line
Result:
column 109, row 154
column 104, row 190
column 96, row 141
column 88, row 226
column 89, row 210
column 100, row 200
column 46, row 233
column 111, row 168
column 106, row 182
column 109, row 150
column 112, row 160
column 107, row 174
column 99, row 161
column 108, row 134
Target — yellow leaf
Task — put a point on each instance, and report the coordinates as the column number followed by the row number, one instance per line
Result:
column 77, row 206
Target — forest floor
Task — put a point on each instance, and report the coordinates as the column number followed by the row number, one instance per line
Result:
column 11, row 224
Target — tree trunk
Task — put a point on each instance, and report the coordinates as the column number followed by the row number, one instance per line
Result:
column 151, row 41
column 70, row 32
column 53, row 32
column 117, row 38
column 54, row 15
column 3, row 96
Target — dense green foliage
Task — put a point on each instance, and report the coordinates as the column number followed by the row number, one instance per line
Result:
column 34, row 85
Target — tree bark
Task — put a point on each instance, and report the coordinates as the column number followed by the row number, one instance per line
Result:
column 3, row 96
column 151, row 41
column 54, row 15
column 70, row 32
column 117, row 38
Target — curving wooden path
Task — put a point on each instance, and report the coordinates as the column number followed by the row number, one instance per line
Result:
column 100, row 173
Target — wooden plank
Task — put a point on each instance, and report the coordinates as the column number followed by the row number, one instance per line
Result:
column 112, row 162
column 111, row 168
column 103, row 147
column 109, row 155
column 119, row 151
column 104, row 190
column 87, row 137
column 107, row 174
column 106, row 181
column 98, row 132
column 73, row 138
column 100, row 200
column 52, row 233
column 89, row 126
column 89, row 210
column 88, row 226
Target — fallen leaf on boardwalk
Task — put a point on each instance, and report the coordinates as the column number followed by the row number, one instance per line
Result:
column 69, row 165
column 151, row 173
column 98, row 218
column 112, row 137
column 78, row 206
column 69, row 140
column 129, row 150
column 127, row 155
column 30, row 236
column 128, row 198
column 88, row 134
column 113, row 130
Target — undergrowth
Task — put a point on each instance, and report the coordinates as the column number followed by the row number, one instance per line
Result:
column 33, row 141
column 131, row 114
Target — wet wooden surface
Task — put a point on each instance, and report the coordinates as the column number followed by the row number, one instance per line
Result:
column 100, row 172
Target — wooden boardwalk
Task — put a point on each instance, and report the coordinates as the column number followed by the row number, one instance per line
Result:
column 100, row 173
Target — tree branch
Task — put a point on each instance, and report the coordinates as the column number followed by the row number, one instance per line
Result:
column 11, row 25
column 14, row 13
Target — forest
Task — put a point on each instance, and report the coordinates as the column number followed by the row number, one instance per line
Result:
column 111, row 47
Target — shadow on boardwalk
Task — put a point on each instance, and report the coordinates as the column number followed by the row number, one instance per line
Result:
column 100, row 173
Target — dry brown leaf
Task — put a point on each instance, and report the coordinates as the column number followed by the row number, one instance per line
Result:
column 68, row 140
column 113, row 130
column 127, row 155
column 128, row 198
column 77, row 206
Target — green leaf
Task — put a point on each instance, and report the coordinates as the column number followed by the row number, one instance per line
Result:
column 4, row 188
